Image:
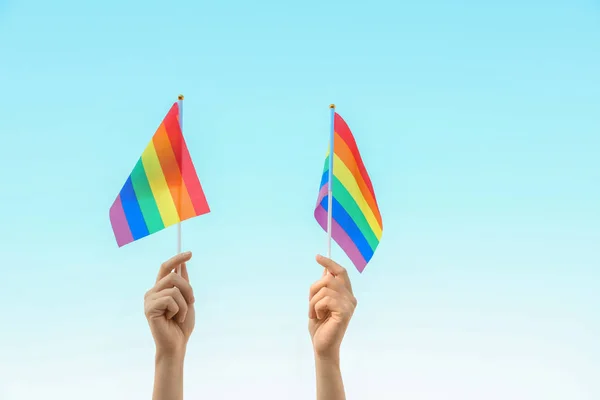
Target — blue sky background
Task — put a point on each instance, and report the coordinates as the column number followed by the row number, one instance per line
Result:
column 478, row 122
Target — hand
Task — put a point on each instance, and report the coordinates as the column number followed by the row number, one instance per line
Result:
column 169, row 307
column 331, row 306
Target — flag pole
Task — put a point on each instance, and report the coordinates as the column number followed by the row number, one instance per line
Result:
column 180, row 106
column 330, row 180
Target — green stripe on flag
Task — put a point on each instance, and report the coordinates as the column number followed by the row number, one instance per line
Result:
column 145, row 197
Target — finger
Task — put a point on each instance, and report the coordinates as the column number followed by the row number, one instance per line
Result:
column 336, row 269
column 166, row 306
column 327, row 281
column 174, row 280
column 178, row 297
column 172, row 263
column 320, row 295
column 184, row 272
column 326, row 306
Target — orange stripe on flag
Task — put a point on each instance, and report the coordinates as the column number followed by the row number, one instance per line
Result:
column 170, row 168
column 346, row 155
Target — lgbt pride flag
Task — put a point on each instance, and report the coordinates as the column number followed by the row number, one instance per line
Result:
column 163, row 188
column 354, row 222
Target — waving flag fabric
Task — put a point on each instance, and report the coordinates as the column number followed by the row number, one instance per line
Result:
column 163, row 188
column 356, row 220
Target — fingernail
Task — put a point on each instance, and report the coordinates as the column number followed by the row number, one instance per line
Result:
column 187, row 253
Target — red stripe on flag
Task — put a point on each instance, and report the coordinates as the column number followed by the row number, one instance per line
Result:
column 184, row 160
column 344, row 133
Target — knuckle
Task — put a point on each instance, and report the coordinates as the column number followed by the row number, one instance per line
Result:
column 315, row 296
column 339, row 285
column 190, row 292
column 171, row 279
column 186, row 286
column 315, row 287
column 147, row 308
column 174, row 292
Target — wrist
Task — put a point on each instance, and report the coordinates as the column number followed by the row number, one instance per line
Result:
column 168, row 375
column 163, row 356
column 329, row 378
column 329, row 359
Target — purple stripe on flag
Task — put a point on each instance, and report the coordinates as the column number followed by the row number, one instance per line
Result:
column 119, row 223
column 341, row 238
column 322, row 193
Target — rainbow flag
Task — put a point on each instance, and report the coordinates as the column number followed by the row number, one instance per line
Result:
column 356, row 222
column 163, row 188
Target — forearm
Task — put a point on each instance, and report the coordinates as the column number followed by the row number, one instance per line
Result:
column 168, row 377
column 329, row 379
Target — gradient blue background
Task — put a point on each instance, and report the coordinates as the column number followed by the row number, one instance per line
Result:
column 479, row 125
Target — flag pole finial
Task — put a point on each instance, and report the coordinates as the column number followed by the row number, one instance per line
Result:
column 180, row 97
column 332, row 106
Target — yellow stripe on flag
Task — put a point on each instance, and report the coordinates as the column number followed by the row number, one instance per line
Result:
column 158, row 184
column 341, row 171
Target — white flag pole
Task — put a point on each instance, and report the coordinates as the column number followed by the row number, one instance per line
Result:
column 330, row 180
column 180, row 106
